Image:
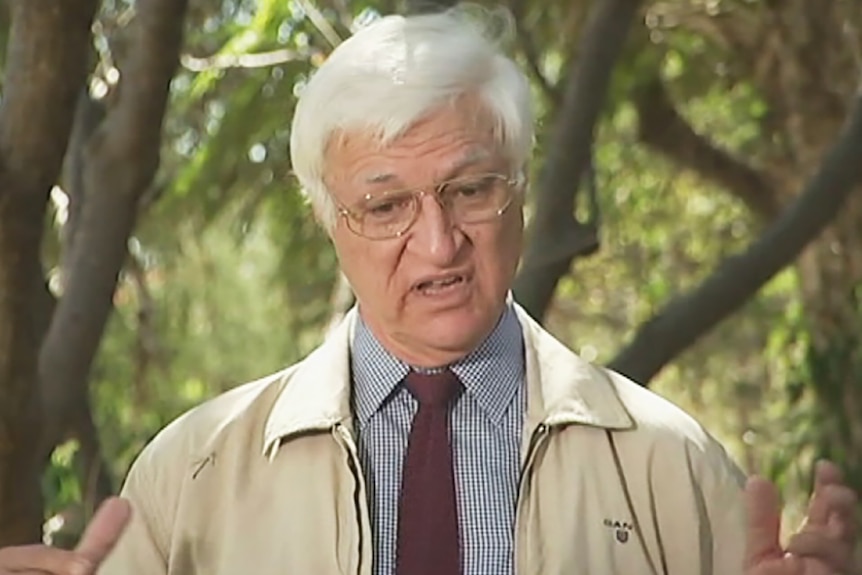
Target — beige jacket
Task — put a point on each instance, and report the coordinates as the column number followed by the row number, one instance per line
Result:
column 265, row 479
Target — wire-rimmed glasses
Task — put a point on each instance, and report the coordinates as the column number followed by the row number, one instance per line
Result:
column 467, row 199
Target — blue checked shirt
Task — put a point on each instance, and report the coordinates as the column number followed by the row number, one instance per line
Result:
column 486, row 438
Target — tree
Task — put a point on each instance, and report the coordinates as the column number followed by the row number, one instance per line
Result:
column 187, row 262
column 559, row 237
column 799, row 69
column 47, row 363
column 806, row 83
column 44, row 70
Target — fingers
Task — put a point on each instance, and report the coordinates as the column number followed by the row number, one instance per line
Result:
column 763, row 522
column 99, row 538
column 830, row 495
column 827, row 538
column 838, row 503
column 833, row 504
column 826, row 472
column 825, row 544
column 42, row 559
column 787, row 565
column 822, row 551
column 104, row 530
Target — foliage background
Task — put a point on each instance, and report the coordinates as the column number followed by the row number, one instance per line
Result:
column 229, row 278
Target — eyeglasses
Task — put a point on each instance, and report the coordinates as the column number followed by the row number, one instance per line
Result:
column 468, row 200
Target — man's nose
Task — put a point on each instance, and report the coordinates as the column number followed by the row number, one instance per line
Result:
column 434, row 233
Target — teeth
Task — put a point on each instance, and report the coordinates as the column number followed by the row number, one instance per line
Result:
column 440, row 283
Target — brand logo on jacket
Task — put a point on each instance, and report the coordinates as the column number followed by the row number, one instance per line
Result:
column 201, row 464
column 622, row 529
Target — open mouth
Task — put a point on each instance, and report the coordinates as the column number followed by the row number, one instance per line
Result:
column 432, row 286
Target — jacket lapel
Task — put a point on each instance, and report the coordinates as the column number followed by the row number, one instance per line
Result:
column 562, row 388
column 316, row 391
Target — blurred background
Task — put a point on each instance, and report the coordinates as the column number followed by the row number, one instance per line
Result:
column 695, row 220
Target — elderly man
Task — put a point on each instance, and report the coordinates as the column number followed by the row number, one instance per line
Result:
column 439, row 430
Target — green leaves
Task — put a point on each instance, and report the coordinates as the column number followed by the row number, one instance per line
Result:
column 233, row 278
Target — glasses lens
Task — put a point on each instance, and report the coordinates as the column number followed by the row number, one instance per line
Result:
column 477, row 198
column 386, row 216
column 470, row 199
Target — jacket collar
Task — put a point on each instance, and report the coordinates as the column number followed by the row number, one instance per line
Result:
column 315, row 392
column 562, row 388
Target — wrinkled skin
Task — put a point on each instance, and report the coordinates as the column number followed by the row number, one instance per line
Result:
column 420, row 329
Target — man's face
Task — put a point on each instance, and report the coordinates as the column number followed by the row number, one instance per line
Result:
column 427, row 323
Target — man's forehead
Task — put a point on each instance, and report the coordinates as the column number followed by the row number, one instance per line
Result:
column 470, row 157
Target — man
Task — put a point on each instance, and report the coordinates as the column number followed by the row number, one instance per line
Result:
column 439, row 429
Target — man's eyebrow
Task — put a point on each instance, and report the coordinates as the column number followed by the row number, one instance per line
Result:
column 473, row 157
column 380, row 178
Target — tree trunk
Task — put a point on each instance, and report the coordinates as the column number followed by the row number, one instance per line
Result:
column 45, row 75
column 20, row 236
column 45, row 69
column 556, row 237
column 120, row 162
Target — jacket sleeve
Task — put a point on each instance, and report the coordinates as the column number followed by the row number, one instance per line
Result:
column 713, row 541
column 143, row 547
column 684, row 487
column 725, row 512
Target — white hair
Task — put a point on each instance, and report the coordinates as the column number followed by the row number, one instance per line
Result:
column 395, row 71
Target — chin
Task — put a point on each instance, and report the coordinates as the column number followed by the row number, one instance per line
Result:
column 457, row 331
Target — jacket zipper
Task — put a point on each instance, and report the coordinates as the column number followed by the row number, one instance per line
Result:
column 521, row 549
column 345, row 438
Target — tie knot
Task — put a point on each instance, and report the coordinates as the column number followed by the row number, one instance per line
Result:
column 435, row 389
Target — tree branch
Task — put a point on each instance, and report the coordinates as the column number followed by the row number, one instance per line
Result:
column 45, row 69
column 132, row 133
column 531, row 55
column 147, row 347
column 121, row 162
column 89, row 114
column 257, row 60
column 344, row 14
column 663, row 129
column 685, row 319
column 94, row 475
column 321, row 24
column 556, row 236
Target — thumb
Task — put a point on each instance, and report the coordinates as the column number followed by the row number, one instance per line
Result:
column 827, row 473
column 763, row 522
column 104, row 530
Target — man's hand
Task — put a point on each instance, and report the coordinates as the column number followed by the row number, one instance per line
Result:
column 825, row 543
column 99, row 538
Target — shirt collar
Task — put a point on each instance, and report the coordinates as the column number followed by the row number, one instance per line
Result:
column 315, row 394
column 491, row 373
column 376, row 372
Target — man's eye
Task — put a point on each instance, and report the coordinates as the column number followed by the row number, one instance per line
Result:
column 472, row 189
column 387, row 207
column 381, row 209
column 469, row 190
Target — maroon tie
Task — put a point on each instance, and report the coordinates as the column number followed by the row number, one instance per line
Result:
column 428, row 542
